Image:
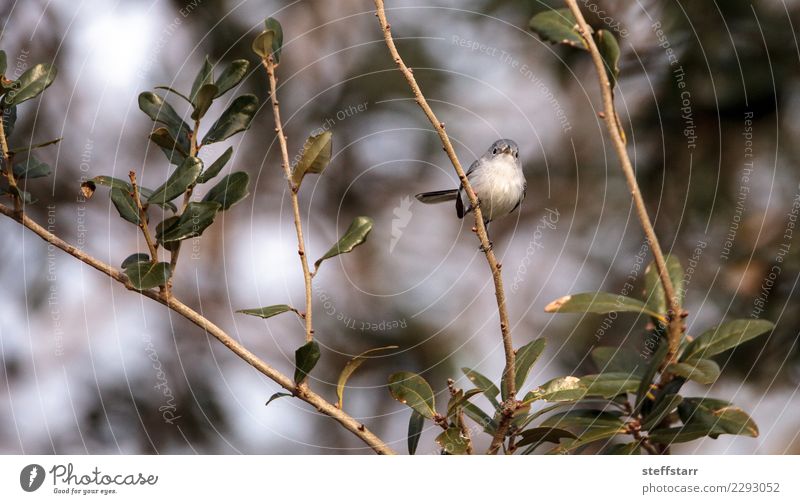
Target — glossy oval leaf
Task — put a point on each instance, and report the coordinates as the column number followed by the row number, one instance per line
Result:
column 654, row 292
column 490, row 390
column 204, row 76
column 351, row 367
column 559, row 27
column 412, row 390
column 274, row 26
column 202, row 101
column 452, row 441
column 32, row 168
column 237, row 117
column 415, row 425
column 184, row 175
column 666, row 405
column 609, row 50
column 125, row 205
column 133, row 259
column 584, row 418
column 262, row 44
column 31, row 83
column 213, row 170
column 610, row 385
column 169, row 146
column 267, row 311
column 457, row 402
column 232, row 76
column 539, row 435
column 599, row 303
column 480, row 417
column 3, row 62
column 634, row 448
column 164, row 225
column 305, row 358
column 192, row 222
column 315, row 156
column 726, row 336
column 355, row 235
column 703, row 371
column 563, row 389
column 526, row 357
column 146, row 275
column 160, row 111
column 230, row 190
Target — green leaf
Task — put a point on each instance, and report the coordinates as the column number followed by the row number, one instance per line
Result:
column 125, row 205
column 720, row 417
column 481, row 418
column 20, row 150
column 703, row 371
column 146, row 275
column 215, row 167
column 31, row 169
column 236, row 118
column 355, row 235
column 169, row 146
column 273, row 25
column 452, row 441
column 203, row 77
column 589, row 435
column 315, row 156
column 559, row 27
column 654, row 292
column 184, row 176
column 35, row 80
column 162, row 112
column 661, row 409
column 262, row 44
column 25, row 196
column 526, row 357
column 490, row 390
column 277, row 395
column 197, row 217
column 725, row 336
column 205, row 96
column 305, row 358
column 633, row 448
column 415, row 425
column 176, row 93
column 609, row 50
column 565, row 388
column 610, row 385
column 652, row 368
column 539, row 435
column 230, row 190
column 164, row 225
column 3, row 62
column 267, row 311
column 133, row 259
column 351, row 367
column 584, row 418
column 146, row 193
column 619, row 360
column 412, row 390
column 598, row 302
column 232, row 76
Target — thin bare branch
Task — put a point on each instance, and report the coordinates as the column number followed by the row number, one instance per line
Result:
column 675, row 322
column 269, row 66
column 480, row 228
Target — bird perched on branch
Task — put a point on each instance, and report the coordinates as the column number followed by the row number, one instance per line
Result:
column 497, row 179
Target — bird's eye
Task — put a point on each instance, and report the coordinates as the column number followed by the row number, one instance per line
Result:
column 516, row 155
column 494, row 151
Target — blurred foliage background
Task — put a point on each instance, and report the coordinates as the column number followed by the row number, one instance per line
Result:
column 91, row 368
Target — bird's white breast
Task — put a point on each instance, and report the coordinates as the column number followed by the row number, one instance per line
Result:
column 499, row 184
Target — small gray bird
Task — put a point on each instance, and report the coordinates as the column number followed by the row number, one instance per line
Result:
column 497, row 179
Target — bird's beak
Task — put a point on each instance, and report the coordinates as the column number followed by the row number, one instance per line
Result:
column 507, row 150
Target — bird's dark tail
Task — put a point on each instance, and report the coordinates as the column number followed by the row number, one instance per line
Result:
column 437, row 196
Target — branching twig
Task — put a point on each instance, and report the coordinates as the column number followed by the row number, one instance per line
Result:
column 250, row 358
column 480, row 229
column 675, row 322
column 143, row 223
column 269, row 66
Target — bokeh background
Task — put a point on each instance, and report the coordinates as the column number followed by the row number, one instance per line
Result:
column 91, row 368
